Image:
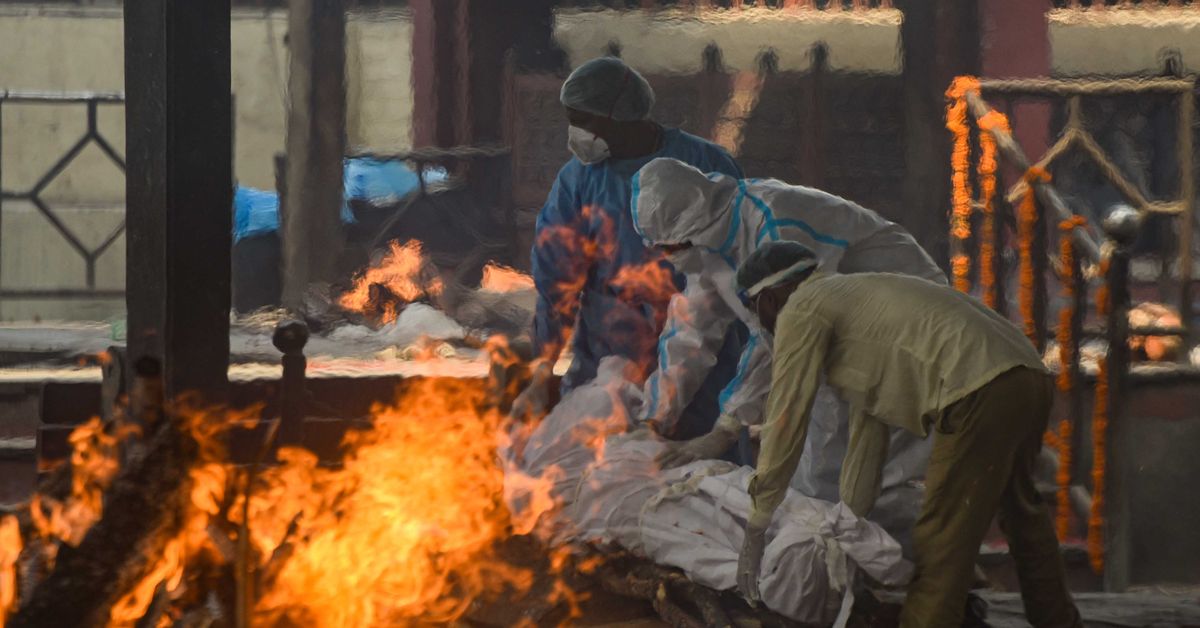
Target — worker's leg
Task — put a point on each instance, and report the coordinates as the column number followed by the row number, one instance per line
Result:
column 1031, row 538
column 974, row 446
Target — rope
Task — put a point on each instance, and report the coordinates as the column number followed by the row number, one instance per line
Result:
column 436, row 154
column 1108, row 87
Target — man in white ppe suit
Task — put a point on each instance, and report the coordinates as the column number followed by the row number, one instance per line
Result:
column 709, row 224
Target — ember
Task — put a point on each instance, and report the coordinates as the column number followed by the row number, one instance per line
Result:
column 403, row 275
column 497, row 278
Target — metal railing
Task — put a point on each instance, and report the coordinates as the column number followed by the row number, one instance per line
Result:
column 1075, row 138
column 1115, row 374
column 91, row 102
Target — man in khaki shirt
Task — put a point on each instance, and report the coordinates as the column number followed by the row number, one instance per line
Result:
column 908, row 353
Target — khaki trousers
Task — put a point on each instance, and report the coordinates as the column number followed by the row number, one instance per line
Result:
column 985, row 449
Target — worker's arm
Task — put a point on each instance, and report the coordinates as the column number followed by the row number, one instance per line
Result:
column 862, row 469
column 745, row 396
column 697, row 323
column 724, row 163
column 560, row 265
column 801, row 343
column 891, row 250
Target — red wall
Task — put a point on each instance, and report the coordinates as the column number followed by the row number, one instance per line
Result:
column 1016, row 43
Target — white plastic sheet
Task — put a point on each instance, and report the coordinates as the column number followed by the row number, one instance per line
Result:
column 693, row 517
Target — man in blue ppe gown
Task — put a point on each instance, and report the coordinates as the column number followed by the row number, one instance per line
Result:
column 590, row 266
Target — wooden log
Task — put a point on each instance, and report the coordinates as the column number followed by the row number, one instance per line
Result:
column 143, row 511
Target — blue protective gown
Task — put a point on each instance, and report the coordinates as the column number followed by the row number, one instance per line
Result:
column 585, row 236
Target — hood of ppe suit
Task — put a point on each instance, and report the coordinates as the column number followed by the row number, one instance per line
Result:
column 675, row 203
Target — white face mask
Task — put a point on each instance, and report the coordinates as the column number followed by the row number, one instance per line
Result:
column 587, row 146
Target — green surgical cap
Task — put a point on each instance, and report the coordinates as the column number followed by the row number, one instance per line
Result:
column 607, row 87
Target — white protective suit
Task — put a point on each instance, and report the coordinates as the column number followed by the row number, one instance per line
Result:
column 726, row 220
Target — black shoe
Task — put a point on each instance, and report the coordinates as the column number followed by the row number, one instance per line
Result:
column 976, row 612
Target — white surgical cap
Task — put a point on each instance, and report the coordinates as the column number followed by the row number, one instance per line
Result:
column 607, row 87
column 773, row 264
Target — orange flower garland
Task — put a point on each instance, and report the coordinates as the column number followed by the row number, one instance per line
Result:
column 1062, row 442
column 991, row 123
column 1066, row 246
column 1095, row 532
column 1026, row 225
column 960, row 217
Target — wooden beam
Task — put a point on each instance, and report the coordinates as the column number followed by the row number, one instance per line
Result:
column 179, row 189
column 316, row 146
column 940, row 40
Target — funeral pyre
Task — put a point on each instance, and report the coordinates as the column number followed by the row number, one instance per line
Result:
column 150, row 522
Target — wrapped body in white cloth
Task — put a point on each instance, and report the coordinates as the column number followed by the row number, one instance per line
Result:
column 610, row 492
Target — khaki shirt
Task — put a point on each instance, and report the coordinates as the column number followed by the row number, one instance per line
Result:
column 898, row 349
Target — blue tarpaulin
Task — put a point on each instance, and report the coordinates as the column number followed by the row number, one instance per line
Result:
column 256, row 212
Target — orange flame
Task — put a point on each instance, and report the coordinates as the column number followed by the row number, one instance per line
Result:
column 94, row 463
column 497, row 278
column 206, row 487
column 10, row 551
column 405, row 530
column 404, row 270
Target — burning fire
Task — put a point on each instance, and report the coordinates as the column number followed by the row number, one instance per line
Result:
column 497, row 278
column 10, row 550
column 94, row 463
column 405, row 531
column 404, row 272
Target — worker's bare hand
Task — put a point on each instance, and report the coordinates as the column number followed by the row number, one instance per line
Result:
column 750, row 563
column 710, row 446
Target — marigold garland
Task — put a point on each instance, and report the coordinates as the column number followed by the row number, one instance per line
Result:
column 1026, row 227
column 960, row 217
column 989, row 124
column 1062, row 440
column 1095, row 531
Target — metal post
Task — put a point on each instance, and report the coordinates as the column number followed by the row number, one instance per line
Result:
column 290, row 338
column 1079, row 309
column 1122, row 226
column 1040, row 246
column 179, row 189
column 1001, row 212
column 1187, row 193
